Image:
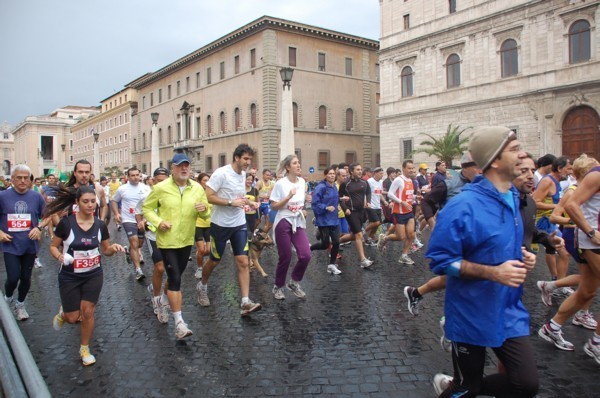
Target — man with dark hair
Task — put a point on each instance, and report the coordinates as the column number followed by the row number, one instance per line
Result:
column 544, row 166
column 129, row 195
column 359, row 197
column 226, row 191
column 440, row 173
column 81, row 176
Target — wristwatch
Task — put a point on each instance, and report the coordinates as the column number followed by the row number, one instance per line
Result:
column 591, row 233
column 229, row 202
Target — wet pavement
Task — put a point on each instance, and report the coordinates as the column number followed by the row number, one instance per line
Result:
column 351, row 337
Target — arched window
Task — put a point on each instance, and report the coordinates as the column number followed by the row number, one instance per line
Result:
column 222, row 122
column 349, row 119
column 322, row 117
column 509, row 56
column 407, row 81
column 209, row 125
column 579, row 42
column 453, row 71
column 295, row 107
column 236, row 117
column 253, row 116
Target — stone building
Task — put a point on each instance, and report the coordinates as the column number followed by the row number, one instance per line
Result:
column 7, row 149
column 113, row 125
column 229, row 92
column 530, row 65
column 45, row 142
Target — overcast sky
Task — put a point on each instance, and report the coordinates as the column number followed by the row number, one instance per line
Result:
column 78, row 52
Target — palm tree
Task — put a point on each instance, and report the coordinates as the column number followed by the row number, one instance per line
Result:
column 112, row 169
column 450, row 146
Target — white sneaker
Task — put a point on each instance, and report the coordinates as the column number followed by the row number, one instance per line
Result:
column 333, row 269
column 278, row 293
column 139, row 274
column 20, row 311
column 182, row 331
column 203, row 299
column 86, row 358
column 418, row 243
column 365, row 263
column 198, row 274
column 37, row 263
column 441, row 383
column 404, row 259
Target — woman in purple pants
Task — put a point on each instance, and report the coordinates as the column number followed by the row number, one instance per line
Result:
column 290, row 226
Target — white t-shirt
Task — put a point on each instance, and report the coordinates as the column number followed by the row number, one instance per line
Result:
column 293, row 208
column 130, row 195
column 228, row 185
column 376, row 191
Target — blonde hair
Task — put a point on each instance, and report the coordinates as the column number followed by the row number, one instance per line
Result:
column 582, row 165
column 282, row 168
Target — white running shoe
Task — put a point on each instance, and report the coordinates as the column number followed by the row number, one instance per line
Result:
column 198, row 273
column 333, row 269
column 86, row 358
column 404, row 259
column 365, row 263
column 441, row 383
column 20, row 311
column 182, row 331
column 37, row 263
column 585, row 319
column 202, row 295
column 139, row 274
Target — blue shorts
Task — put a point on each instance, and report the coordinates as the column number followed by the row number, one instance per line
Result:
column 264, row 209
column 272, row 214
column 402, row 219
column 344, row 228
column 568, row 235
column 238, row 236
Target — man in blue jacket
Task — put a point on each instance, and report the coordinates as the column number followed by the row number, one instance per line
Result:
column 477, row 244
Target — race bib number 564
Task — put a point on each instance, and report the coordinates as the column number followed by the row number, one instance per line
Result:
column 19, row 222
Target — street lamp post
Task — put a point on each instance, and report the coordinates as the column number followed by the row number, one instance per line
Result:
column 64, row 165
column 286, row 142
column 96, row 135
column 154, row 148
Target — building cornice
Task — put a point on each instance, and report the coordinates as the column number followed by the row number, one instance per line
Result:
column 254, row 27
column 106, row 115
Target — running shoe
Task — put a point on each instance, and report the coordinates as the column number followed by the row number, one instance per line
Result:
column 278, row 293
column 182, row 331
column 444, row 342
column 37, row 263
column 441, row 382
column 592, row 350
column 249, row 308
column 555, row 338
column 86, row 358
column 198, row 274
column 58, row 321
column 339, row 256
column 546, row 292
column 139, row 274
column 20, row 311
column 585, row 319
column 127, row 255
column 333, row 269
column 404, row 259
column 202, row 295
column 119, row 227
column 418, row 244
column 562, row 293
column 141, row 258
column 296, row 289
column 154, row 302
column 346, row 243
column 413, row 302
column 365, row 263
column 381, row 242
column 163, row 313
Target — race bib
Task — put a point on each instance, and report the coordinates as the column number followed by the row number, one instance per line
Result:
column 86, row 260
column 131, row 210
column 19, row 222
column 295, row 206
column 378, row 191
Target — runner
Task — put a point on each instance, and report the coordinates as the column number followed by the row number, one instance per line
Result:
column 374, row 211
column 358, row 198
column 288, row 198
column 20, row 210
column 82, row 237
column 81, row 177
column 324, row 204
column 252, row 219
column 129, row 195
column 202, row 236
column 173, row 206
column 485, row 272
column 160, row 303
column 226, row 192
column 113, row 185
column 342, row 177
column 264, row 186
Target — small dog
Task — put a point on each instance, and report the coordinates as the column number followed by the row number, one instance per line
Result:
column 260, row 239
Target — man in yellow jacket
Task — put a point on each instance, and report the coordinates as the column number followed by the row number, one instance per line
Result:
column 173, row 205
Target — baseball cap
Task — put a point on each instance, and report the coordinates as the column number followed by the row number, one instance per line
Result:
column 180, row 158
column 377, row 169
column 423, row 166
column 161, row 171
column 467, row 161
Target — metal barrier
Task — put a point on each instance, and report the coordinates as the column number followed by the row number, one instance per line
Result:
column 19, row 374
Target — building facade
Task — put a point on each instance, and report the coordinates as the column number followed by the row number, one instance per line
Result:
column 113, row 128
column 229, row 92
column 530, row 65
column 45, row 142
column 7, row 148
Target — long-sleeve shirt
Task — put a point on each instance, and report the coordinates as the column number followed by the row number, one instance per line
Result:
column 359, row 193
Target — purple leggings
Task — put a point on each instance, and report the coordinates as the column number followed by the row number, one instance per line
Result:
column 285, row 238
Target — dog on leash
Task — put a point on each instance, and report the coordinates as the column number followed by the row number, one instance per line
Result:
column 259, row 241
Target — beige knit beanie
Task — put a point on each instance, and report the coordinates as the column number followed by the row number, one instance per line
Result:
column 486, row 143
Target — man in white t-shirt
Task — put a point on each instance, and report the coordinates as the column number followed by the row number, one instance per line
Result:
column 226, row 191
column 129, row 195
column 374, row 211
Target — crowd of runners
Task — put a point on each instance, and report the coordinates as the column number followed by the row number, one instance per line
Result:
column 486, row 224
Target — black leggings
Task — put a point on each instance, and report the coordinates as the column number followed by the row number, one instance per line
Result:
column 175, row 262
column 516, row 354
column 329, row 233
column 18, row 272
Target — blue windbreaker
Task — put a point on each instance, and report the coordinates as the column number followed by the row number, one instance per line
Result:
column 479, row 226
column 325, row 195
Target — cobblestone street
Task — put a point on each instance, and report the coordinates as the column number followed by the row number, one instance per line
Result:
column 352, row 337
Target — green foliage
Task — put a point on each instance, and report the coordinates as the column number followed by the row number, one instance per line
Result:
column 447, row 147
column 112, row 169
